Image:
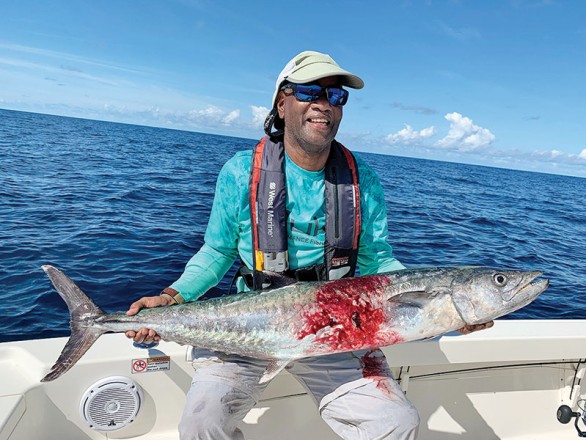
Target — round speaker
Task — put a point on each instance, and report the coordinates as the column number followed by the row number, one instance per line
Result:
column 111, row 403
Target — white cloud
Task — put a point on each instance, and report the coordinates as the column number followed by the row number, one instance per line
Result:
column 557, row 157
column 231, row 117
column 212, row 115
column 464, row 135
column 259, row 114
column 409, row 136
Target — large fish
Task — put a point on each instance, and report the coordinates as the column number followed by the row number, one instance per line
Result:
column 314, row 318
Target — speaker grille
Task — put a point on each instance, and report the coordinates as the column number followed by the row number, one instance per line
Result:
column 111, row 403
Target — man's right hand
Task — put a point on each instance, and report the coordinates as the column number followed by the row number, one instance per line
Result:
column 145, row 335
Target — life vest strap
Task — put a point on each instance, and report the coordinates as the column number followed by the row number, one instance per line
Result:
column 315, row 272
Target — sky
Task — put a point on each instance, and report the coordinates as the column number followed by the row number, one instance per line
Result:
column 497, row 83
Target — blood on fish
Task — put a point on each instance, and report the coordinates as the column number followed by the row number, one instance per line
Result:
column 345, row 317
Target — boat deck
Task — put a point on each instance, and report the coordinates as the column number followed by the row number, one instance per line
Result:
column 503, row 383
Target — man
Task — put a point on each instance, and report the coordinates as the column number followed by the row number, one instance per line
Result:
column 318, row 213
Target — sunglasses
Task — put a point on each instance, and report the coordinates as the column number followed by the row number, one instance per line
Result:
column 336, row 96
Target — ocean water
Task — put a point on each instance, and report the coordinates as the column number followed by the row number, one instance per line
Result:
column 121, row 209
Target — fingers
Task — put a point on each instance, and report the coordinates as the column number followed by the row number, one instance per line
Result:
column 145, row 335
column 465, row 330
column 469, row 328
column 135, row 307
column 146, row 302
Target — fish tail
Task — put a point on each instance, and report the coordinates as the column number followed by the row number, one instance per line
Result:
column 80, row 308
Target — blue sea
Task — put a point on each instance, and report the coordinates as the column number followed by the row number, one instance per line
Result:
column 121, row 208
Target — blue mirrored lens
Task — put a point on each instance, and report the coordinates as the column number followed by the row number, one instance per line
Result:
column 308, row 93
column 312, row 92
column 337, row 96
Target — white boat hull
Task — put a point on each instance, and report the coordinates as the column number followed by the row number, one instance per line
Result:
column 502, row 383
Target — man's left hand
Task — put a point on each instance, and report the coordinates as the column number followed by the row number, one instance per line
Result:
column 469, row 328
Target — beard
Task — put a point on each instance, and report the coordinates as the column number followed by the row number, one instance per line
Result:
column 312, row 138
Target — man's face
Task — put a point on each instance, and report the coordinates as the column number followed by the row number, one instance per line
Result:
column 311, row 126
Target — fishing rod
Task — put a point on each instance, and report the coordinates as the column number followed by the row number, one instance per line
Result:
column 565, row 413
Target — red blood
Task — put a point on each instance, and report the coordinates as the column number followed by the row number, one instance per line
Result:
column 348, row 315
column 373, row 367
column 373, row 364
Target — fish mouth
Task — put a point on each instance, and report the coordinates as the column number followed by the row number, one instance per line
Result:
column 532, row 288
column 536, row 288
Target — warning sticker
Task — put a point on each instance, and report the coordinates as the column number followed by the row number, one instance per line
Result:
column 148, row 365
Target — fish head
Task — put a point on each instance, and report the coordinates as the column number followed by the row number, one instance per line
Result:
column 482, row 294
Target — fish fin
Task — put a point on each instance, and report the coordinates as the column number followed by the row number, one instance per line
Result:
column 80, row 341
column 77, row 301
column 274, row 367
column 418, row 297
column 80, row 308
column 412, row 299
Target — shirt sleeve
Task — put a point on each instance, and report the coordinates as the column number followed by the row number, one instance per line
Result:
column 209, row 265
column 375, row 254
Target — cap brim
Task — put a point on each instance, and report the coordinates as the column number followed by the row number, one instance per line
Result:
column 315, row 71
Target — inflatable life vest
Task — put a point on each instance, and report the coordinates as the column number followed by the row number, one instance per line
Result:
column 267, row 192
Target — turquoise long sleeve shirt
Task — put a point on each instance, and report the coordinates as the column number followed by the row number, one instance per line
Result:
column 229, row 235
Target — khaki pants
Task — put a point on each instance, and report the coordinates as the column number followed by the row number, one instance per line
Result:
column 354, row 392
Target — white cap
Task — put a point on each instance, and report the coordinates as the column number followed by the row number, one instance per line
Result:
column 310, row 66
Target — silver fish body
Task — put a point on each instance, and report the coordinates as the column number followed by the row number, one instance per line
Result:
column 315, row 318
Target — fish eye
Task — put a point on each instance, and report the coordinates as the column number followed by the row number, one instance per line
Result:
column 500, row 279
